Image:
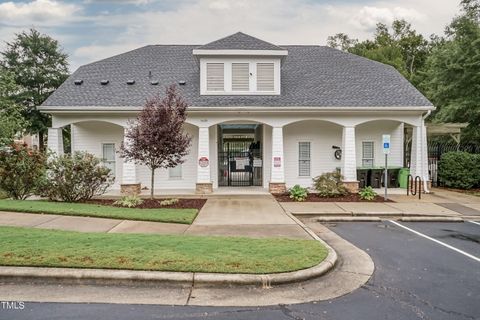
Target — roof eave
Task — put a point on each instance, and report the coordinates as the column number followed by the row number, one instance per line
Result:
column 238, row 52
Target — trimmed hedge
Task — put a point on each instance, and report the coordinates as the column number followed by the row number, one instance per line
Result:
column 459, row 170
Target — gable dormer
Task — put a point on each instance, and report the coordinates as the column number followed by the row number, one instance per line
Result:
column 240, row 65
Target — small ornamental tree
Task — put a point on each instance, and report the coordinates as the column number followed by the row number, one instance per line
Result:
column 156, row 138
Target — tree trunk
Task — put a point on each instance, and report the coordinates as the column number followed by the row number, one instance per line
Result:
column 41, row 145
column 152, row 185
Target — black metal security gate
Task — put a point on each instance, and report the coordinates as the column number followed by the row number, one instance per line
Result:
column 240, row 164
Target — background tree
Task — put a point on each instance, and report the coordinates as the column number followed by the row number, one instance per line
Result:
column 156, row 138
column 39, row 67
column 400, row 46
column 11, row 119
column 451, row 79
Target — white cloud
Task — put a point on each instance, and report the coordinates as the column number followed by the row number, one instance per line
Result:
column 202, row 21
column 37, row 12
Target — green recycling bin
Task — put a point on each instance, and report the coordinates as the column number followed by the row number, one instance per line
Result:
column 403, row 177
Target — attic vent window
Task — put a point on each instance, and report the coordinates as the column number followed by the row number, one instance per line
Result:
column 104, row 82
column 154, row 82
column 78, row 82
column 130, row 82
column 182, row 82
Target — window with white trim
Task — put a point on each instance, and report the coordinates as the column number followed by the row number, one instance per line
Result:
column 265, row 76
column 368, row 153
column 304, row 159
column 215, row 77
column 108, row 156
column 240, row 76
column 175, row 172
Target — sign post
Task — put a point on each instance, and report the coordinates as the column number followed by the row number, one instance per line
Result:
column 386, row 151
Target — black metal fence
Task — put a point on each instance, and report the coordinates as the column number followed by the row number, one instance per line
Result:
column 240, row 164
column 437, row 149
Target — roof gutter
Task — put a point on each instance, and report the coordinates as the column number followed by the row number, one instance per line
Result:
column 239, row 109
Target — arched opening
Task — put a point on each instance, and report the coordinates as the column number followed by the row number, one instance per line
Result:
column 240, row 154
column 310, row 149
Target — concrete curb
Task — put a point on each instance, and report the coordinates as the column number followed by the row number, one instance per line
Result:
column 381, row 218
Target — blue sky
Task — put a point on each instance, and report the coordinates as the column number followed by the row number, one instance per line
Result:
column 90, row 30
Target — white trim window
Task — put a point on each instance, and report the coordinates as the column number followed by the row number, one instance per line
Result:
column 304, row 160
column 240, row 76
column 368, row 153
column 175, row 173
column 108, row 156
column 215, row 77
column 265, row 76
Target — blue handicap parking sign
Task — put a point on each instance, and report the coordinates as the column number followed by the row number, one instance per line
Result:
column 386, row 145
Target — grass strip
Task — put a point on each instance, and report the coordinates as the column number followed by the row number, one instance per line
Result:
column 53, row 248
column 185, row 216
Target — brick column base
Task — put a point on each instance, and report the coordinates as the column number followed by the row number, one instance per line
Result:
column 130, row 189
column 203, row 188
column 277, row 187
column 352, row 186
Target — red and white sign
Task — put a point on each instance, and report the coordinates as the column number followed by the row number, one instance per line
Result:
column 277, row 162
column 203, row 162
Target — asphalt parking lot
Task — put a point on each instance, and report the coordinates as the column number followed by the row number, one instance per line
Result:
column 422, row 271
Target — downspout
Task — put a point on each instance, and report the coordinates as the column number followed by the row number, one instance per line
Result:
column 424, row 177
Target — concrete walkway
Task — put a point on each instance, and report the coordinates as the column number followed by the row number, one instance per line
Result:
column 247, row 216
column 250, row 216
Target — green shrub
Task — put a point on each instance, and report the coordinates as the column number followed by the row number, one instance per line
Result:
column 367, row 193
column 22, row 171
column 330, row 185
column 169, row 202
column 297, row 193
column 129, row 201
column 77, row 177
column 459, row 170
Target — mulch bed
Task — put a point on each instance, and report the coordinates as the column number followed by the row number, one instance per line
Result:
column 351, row 197
column 155, row 203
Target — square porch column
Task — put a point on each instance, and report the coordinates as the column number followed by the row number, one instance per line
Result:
column 277, row 178
column 204, row 181
column 349, row 159
column 55, row 140
column 419, row 155
column 129, row 184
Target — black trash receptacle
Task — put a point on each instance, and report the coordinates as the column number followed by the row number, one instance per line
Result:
column 393, row 178
column 376, row 180
column 363, row 178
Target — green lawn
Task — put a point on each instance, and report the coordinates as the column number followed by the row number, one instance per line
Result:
column 185, row 216
column 52, row 248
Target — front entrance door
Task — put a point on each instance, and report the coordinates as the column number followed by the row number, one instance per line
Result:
column 240, row 160
column 240, row 165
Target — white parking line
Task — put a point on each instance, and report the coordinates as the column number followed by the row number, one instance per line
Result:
column 474, row 222
column 435, row 240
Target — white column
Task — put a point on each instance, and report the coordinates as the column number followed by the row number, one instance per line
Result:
column 55, row 140
column 425, row 176
column 129, row 170
column 416, row 152
column 278, row 163
column 203, row 161
column 349, row 156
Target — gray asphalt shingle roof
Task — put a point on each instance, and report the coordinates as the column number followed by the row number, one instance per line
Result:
column 239, row 41
column 310, row 76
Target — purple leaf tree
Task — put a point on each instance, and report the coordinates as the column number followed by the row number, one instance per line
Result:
column 156, row 138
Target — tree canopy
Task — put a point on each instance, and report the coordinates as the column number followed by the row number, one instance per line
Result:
column 11, row 119
column 39, row 67
column 444, row 68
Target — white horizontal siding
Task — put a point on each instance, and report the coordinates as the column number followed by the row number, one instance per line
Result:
column 89, row 136
column 322, row 136
column 373, row 131
column 189, row 169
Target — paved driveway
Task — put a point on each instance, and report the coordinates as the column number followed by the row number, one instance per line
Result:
column 250, row 216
